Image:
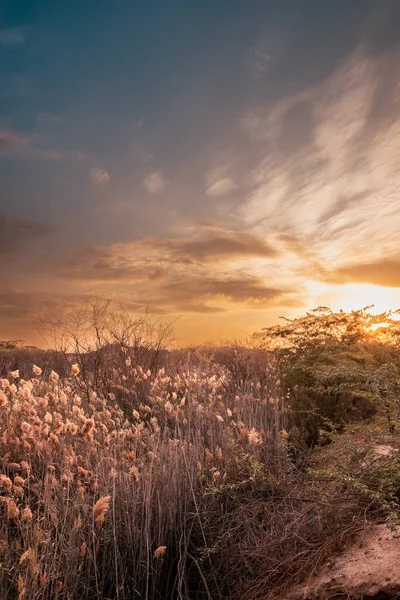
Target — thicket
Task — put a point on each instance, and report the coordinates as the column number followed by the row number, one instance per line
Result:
column 137, row 472
column 337, row 367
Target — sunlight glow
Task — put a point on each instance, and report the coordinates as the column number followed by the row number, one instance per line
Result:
column 352, row 296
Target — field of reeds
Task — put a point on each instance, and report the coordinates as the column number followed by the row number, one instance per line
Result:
column 175, row 478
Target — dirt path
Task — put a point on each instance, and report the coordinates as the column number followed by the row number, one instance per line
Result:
column 369, row 568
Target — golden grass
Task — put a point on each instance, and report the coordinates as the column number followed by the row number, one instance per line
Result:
column 156, row 484
column 95, row 489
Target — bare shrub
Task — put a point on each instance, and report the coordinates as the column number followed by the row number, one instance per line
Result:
column 101, row 337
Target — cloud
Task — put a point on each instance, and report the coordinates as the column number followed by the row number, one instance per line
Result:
column 335, row 188
column 12, row 141
column 264, row 53
column 221, row 187
column 13, row 36
column 154, row 257
column 19, row 145
column 217, row 245
column 20, row 311
column 17, row 304
column 190, row 274
column 218, row 178
column 383, row 272
column 99, row 176
column 16, row 234
column 155, row 183
column 107, row 265
column 244, row 289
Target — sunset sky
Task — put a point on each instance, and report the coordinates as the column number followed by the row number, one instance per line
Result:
column 222, row 162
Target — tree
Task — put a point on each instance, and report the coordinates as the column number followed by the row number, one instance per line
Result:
column 338, row 366
column 10, row 344
column 100, row 335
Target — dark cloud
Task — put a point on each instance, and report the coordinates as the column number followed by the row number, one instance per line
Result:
column 195, row 293
column 384, row 272
column 217, row 245
column 16, row 234
column 125, row 263
column 199, row 308
column 97, row 264
column 15, row 304
column 131, row 303
column 22, row 311
column 209, row 295
column 170, row 275
column 100, row 265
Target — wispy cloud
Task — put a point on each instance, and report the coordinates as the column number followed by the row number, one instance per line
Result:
column 335, row 188
column 22, row 145
column 196, row 274
column 221, row 187
column 218, row 178
column 12, row 141
column 264, row 53
column 12, row 36
column 155, row 183
column 99, row 176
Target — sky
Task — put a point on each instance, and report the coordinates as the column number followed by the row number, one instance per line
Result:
column 219, row 163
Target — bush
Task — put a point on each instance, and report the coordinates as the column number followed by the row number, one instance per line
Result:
column 338, row 367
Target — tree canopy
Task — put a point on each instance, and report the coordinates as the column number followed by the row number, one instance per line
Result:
column 338, row 366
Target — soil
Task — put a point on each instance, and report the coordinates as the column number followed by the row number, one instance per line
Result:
column 368, row 568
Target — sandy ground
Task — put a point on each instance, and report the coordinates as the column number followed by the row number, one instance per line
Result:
column 369, row 568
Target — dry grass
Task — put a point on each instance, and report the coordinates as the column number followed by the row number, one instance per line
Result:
column 159, row 489
column 92, row 488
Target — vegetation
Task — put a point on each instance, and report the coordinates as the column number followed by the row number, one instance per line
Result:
column 130, row 471
column 337, row 367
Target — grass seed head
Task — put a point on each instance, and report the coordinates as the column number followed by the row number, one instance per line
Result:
column 100, row 508
column 160, row 551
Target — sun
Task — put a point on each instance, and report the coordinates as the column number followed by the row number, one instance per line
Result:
column 352, row 296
